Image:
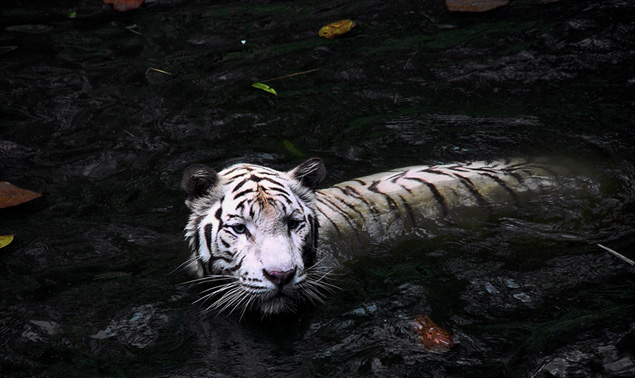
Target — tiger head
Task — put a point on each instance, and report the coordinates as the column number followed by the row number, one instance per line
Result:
column 253, row 232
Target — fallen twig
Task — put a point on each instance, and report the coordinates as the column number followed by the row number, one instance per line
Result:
column 290, row 75
column 624, row 258
column 158, row 70
column 132, row 29
column 536, row 373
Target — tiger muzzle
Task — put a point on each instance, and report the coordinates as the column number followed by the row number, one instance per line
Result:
column 279, row 278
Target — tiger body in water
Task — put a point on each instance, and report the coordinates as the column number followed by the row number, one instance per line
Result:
column 258, row 234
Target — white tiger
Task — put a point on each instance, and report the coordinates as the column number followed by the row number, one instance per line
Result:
column 254, row 232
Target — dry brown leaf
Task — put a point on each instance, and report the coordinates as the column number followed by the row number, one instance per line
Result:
column 11, row 195
column 474, row 5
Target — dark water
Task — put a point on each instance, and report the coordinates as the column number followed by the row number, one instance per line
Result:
column 88, row 287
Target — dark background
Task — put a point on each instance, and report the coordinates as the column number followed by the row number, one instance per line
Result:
column 88, row 286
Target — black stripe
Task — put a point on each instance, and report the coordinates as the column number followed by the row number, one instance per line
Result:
column 439, row 197
column 241, row 204
column 240, row 194
column 284, row 208
column 197, row 244
column 397, row 176
column 502, row 183
column 208, row 236
column 344, row 214
column 405, row 188
column 409, row 210
column 349, row 206
column 282, row 194
column 235, row 169
column 470, row 186
column 273, row 181
column 391, row 202
column 339, row 233
column 518, row 177
column 436, row 172
column 435, row 192
column 310, row 242
column 354, row 193
column 237, row 265
column 239, row 185
column 220, row 257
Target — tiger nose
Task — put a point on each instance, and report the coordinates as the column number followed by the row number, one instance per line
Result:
column 279, row 278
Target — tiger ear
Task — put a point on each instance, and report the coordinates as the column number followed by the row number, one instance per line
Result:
column 310, row 173
column 197, row 180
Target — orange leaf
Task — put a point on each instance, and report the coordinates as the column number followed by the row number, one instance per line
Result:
column 124, row 5
column 11, row 195
column 336, row 28
column 433, row 337
column 474, row 5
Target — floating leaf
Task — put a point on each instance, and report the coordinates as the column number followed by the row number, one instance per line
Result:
column 5, row 240
column 73, row 14
column 474, row 5
column 433, row 337
column 291, row 148
column 11, row 195
column 336, row 28
column 124, row 5
column 264, row 87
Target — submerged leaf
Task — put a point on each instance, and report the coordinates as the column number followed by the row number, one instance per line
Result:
column 5, row 240
column 336, row 28
column 433, row 337
column 11, row 195
column 124, row 5
column 474, row 5
column 291, row 148
column 264, row 87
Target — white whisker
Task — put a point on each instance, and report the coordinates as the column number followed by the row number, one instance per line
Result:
column 187, row 262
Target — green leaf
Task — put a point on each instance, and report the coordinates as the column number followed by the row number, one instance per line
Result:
column 5, row 240
column 264, row 87
column 291, row 148
column 73, row 14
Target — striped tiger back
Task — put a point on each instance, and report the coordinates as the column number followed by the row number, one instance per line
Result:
column 387, row 205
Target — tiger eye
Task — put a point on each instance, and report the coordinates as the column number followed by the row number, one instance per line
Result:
column 239, row 228
column 293, row 224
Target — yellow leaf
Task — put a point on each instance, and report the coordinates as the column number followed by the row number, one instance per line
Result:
column 336, row 28
column 5, row 240
column 264, row 87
